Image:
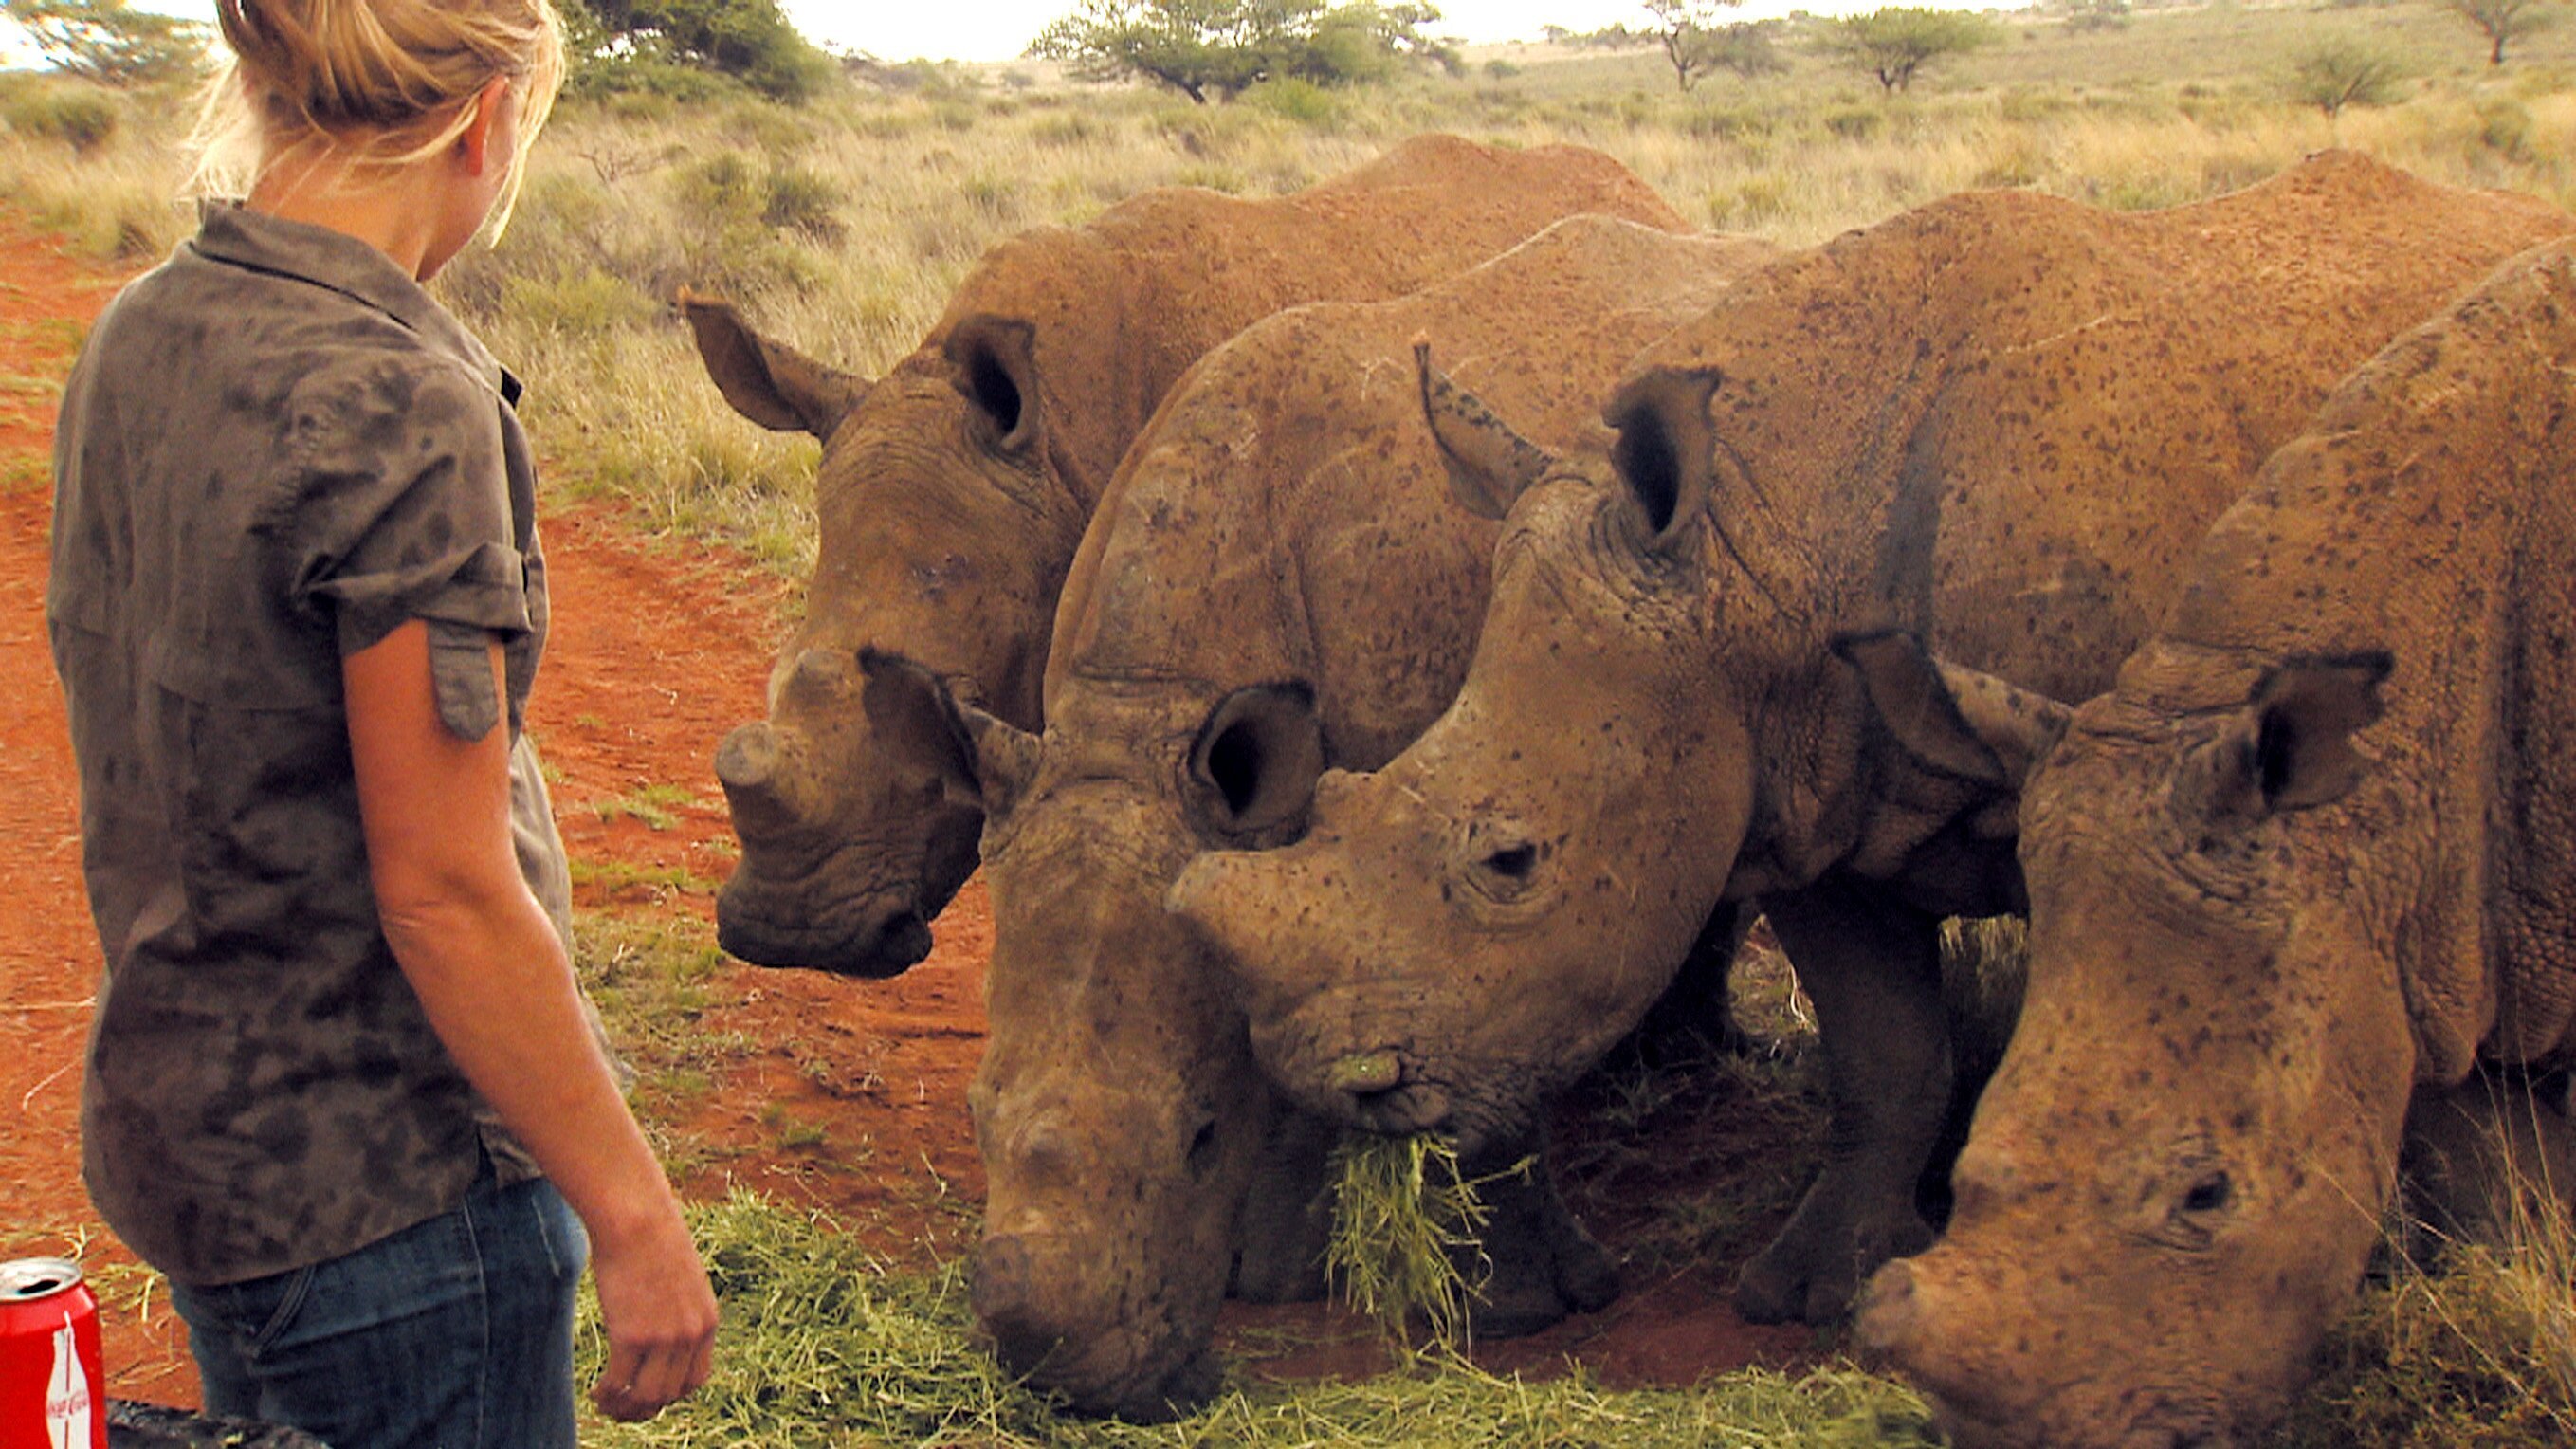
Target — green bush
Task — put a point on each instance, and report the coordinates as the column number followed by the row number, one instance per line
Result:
column 584, row 301
column 1855, row 123
column 76, row 115
column 804, row 202
column 1294, row 99
column 2504, row 127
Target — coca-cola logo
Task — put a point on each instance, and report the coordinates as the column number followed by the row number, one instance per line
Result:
column 68, row 1423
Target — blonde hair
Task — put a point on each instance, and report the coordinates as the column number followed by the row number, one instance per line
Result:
column 378, row 83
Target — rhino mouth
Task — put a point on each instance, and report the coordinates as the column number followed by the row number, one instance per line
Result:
column 1975, row 1427
column 869, row 939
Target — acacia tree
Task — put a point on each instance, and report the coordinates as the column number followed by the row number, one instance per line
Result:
column 1895, row 44
column 1210, row 49
column 2502, row 21
column 109, row 40
column 750, row 40
column 1685, row 28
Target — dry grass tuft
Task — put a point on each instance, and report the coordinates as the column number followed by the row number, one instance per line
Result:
column 2475, row 1349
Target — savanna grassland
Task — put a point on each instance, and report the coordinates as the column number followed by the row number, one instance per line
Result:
column 844, row 224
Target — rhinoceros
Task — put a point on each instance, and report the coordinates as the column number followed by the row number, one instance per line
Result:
column 953, row 491
column 1274, row 582
column 2002, row 420
column 2306, row 865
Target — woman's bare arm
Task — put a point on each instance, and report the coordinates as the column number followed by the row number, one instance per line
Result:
column 488, row 967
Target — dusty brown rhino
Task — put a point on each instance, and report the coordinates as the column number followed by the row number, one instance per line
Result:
column 1276, row 581
column 2306, row 864
column 2003, row 421
column 953, row 490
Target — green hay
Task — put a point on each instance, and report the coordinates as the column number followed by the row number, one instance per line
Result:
column 826, row 1345
column 1404, row 1215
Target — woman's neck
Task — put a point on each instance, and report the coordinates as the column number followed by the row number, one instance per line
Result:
column 388, row 210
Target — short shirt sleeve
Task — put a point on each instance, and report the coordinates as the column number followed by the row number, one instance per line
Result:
column 411, row 516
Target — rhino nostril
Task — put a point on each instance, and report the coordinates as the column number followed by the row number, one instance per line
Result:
column 1001, row 1290
column 902, row 939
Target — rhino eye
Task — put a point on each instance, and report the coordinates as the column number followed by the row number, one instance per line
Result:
column 2209, row 1194
column 1505, row 873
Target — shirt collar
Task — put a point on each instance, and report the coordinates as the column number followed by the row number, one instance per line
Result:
column 231, row 232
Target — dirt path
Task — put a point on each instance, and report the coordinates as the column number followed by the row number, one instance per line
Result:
column 834, row 1094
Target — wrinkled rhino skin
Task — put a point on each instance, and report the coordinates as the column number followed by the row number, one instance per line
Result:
column 954, row 490
column 2002, row 422
column 1276, row 581
column 2298, row 891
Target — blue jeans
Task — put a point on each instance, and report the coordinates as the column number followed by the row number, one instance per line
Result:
column 455, row 1333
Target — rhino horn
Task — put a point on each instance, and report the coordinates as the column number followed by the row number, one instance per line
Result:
column 822, row 678
column 768, row 382
column 925, row 726
column 767, row 783
column 1489, row 464
column 1964, row 724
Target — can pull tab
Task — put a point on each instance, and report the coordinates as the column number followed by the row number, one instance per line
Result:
column 70, row 1413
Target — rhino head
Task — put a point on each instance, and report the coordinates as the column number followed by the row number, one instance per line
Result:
column 1520, row 846
column 943, row 534
column 1120, row 1118
column 2177, row 1174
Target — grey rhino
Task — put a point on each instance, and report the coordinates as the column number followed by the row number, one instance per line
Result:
column 2001, row 420
column 1274, row 582
column 2298, row 884
column 953, row 491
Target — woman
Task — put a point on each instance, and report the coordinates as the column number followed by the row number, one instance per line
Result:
column 341, row 1085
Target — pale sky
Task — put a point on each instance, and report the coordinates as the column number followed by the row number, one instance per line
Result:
column 1002, row 29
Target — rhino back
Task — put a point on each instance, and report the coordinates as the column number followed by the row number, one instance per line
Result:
column 2038, row 406
column 1124, row 304
column 2428, row 512
column 1285, row 516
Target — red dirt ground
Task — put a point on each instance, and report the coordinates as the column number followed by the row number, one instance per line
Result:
column 657, row 651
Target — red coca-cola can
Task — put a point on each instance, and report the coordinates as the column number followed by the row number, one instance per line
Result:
column 53, row 1379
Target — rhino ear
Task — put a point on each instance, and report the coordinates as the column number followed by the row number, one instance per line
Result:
column 768, row 382
column 922, row 725
column 1967, row 725
column 994, row 362
column 1489, row 465
column 1255, row 762
column 1665, row 444
column 2291, row 748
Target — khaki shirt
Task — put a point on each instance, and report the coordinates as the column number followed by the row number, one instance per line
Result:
column 274, row 450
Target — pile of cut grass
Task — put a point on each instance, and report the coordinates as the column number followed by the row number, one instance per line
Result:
column 825, row 1344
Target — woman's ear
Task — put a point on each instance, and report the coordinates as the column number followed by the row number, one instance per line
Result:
column 483, row 126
